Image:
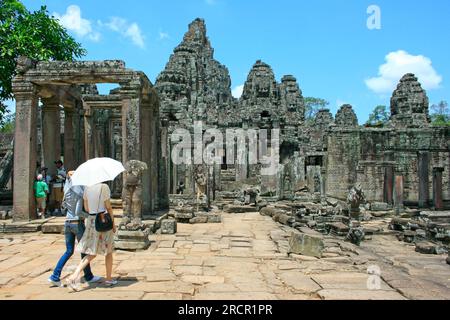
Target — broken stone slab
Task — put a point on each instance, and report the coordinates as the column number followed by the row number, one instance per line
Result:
column 232, row 208
column 199, row 219
column 426, row 247
column 440, row 216
column 271, row 211
column 284, row 219
column 306, row 244
column 53, row 228
column 409, row 236
column 133, row 235
column 183, row 215
column 214, row 218
column 379, row 206
column 338, row 229
column 131, row 245
column 380, row 214
column 168, row 226
column 332, row 202
column 399, row 224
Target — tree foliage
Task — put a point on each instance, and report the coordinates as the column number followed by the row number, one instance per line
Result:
column 8, row 124
column 379, row 117
column 312, row 106
column 34, row 34
column 440, row 115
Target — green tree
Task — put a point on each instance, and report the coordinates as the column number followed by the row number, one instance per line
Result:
column 8, row 124
column 440, row 115
column 34, row 34
column 312, row 106
column 379, row 117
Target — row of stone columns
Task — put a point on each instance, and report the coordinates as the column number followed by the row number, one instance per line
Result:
column 438, row 203
column 26, row 141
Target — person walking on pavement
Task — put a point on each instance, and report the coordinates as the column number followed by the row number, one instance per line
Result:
column 74, row 229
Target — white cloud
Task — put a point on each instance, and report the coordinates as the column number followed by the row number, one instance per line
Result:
column 131, row 31
column 163, row 35
column 73, row 21
column 237, row 91
column 398, row 64
column 135, row 34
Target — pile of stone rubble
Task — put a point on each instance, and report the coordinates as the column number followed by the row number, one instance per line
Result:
column 428, row 230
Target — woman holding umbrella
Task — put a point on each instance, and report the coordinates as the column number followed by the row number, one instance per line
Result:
column 97, row 203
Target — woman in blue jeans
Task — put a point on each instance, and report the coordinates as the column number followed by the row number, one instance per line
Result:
column 73, row 230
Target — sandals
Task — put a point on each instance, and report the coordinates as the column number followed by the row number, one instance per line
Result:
column 73, row 284
column 110, row 283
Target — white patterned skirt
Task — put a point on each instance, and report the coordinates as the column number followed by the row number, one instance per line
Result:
column 95, row 243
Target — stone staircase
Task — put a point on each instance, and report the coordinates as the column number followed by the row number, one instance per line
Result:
column 228, row 177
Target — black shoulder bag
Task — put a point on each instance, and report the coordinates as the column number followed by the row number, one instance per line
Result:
column 103, row 221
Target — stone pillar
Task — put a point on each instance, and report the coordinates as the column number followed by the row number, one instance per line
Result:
column 69, row 140
column 438, row 201
column 80, row 148
column 25, row 152
column 242, row 162
column 388, row 184
column 51, row 133
column 423, row 172
column 398, row 194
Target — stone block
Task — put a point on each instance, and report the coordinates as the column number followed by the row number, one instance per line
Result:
column 214, row 218
column 379, row 206
column 131, row 245
column 306, row 244
column 199, row 219
column 53, row 228
column 283, row 218
column 184, row 215
column 232, row 208
column 426, row 247
column 168, row 226
column 332, row 202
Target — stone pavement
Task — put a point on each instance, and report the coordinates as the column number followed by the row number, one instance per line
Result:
column 244, row 257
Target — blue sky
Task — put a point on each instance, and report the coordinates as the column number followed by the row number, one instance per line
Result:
column 326, row 44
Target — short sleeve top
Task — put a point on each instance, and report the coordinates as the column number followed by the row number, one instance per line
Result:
column 96, row 196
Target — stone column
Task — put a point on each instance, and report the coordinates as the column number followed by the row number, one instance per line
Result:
column 437, row 189
column 398, row 194
column 51, row 133
column 423, row 171
column 69, row 140
column 25, row 152
column 242, row 162
column 88, row 133
column 388, row 184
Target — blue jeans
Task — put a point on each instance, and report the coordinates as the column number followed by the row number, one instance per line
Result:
column 71, row 231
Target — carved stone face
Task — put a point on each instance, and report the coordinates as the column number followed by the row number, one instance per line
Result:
column 134, row 171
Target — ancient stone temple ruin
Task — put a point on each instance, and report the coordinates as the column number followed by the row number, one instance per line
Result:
column 123, row 125
column 398, row 164
column 405, row 163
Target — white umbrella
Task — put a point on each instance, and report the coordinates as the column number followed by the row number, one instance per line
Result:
column 96, row 171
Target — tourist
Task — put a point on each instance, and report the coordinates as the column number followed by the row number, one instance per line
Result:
column 73, row 229
column 58, row 186
column 96, row 200
column 47, row 179
column 41, row 191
